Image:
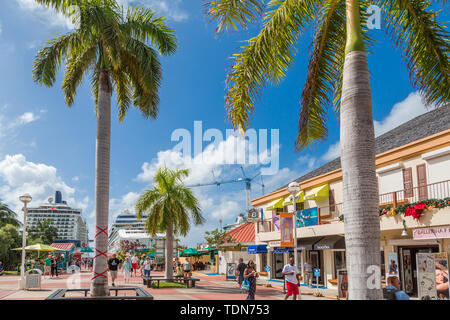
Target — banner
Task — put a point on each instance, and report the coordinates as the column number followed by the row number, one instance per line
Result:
column 441, row 273
column 393, row 269
column 287, row 232
column 276, row 223
column 426, row 282
column 307, row 217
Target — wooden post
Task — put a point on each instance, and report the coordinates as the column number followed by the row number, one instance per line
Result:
column 394, row 197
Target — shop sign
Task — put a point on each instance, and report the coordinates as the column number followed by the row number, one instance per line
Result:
column 441, row 271
column 431, row 233
column 307, row 217
column 273, row 244
column 426, row 279
column 316, row 272
column 231, row 271
column 287, row 233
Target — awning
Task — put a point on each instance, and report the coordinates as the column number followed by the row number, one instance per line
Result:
column 330, row 242
column 307, row 243
column 299, row 196
column 317, row 193
column 257, row 248
column 277, row 204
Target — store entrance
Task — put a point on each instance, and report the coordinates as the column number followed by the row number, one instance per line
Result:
column 408, row 273
column 316, row 261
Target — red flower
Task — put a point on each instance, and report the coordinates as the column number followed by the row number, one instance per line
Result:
column 409, row 211
column 420, row 206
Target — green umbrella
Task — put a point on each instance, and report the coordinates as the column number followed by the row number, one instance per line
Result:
column 39, row 247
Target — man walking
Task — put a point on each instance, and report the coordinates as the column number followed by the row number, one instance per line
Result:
column 47, row 265
column 147, row 267
column 308, row 272
column 291, row 274
column 113, row 265
column 240, row 271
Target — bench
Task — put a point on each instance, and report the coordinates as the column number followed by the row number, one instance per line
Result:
column 189, row 282
column 141, row 294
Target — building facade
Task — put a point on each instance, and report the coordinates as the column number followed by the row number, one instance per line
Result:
column 68, row 221
column 413, row 171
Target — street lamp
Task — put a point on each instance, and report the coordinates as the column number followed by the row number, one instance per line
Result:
column 26, row 198
column 294, row 189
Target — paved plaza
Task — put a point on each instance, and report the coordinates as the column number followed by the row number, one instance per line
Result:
column 210, row 287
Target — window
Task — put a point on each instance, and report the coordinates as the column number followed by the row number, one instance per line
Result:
column 263, row 262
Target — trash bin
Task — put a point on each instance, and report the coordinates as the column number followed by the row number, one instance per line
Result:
column 33, row 279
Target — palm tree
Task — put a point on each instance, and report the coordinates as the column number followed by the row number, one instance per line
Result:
column 7, row 216
column 337, row 75
column 113, row 48
column 44, row 231
column 170, row 207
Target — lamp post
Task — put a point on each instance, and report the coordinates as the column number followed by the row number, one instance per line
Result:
column 293, row 189
column 26, row 198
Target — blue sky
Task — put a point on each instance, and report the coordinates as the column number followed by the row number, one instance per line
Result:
column 45, row 146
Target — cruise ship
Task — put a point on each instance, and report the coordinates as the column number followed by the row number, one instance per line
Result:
column 69, row 221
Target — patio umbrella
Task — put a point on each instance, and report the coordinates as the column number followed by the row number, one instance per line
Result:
column 39, row 247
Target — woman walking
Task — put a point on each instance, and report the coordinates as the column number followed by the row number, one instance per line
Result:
column 54, row 266
column 251, row 275
column 126, row 270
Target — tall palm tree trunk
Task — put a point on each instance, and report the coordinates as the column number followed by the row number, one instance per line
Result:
column 99, row 285
column 360, row 194
column 169, row 252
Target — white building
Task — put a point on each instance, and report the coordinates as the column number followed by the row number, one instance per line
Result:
column 68, row 221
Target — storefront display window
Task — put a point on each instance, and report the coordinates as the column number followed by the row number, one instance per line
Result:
column 339, row 262
column 263, row 262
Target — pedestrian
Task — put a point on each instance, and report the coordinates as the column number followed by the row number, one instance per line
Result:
column 134, row 264
column 54, row 267
column 126, row 270
column 141, row 265
column 393, row 291
column 113, row 265
column 147, row 267
column 187, row 269
column 251, row 275
column 1, row 268
column 47, row 265
column 240, row 271
column 179, row 271
column 291, row 275
column 308, row 273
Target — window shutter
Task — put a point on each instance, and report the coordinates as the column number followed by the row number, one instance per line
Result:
column 408, row 183
column 331, row 201
column 422, row 182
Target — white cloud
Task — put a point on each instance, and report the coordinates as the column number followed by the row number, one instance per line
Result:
column 39, row 180
column 403, row 111
column 27, row 117
column 9, row 126
column 1, row 30
column 168, row 8
column 118, row 206
column 47, row 15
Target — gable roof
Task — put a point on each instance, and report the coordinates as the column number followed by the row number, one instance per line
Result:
column 420, row 127
column 64, row 246
column 243, row 233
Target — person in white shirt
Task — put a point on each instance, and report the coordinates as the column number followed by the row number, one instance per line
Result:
column 291, row 274
column 134, row 264
column 147, row 267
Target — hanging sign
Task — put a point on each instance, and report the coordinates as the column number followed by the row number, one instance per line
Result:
column 426, row 279
column 286, row 226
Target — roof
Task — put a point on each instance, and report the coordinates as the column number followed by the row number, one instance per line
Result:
column 63, row 246
column 425, row 125
column 243, row 233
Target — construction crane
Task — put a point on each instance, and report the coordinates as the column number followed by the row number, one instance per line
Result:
column 248, row 184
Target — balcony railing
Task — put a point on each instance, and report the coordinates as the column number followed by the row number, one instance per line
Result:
column 331, row 214
column 438, row 190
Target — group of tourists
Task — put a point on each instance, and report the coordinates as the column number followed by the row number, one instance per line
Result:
column 129, row 266
column 51, row 266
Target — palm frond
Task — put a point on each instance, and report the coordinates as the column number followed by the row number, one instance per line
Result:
column 267, row 56
column 49, row 59
column 144, row 25
column 425, row 46
column 232, row 14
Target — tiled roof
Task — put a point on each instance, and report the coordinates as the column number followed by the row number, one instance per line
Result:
column 63, row 246
column 243, row 233
column 425, row 125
